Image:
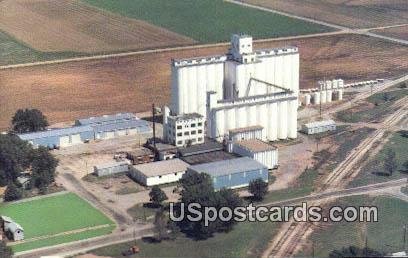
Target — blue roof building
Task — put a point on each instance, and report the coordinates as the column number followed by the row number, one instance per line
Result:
column 106, row 119
column 232, row 173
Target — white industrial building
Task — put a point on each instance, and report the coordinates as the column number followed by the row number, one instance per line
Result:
column 183, row 130
column 243, row 88
column 160, row 172
column 12, row 229
column 319, row 127
column 258, row 150
column 111, row 168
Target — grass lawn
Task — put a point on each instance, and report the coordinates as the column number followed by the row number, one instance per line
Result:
column 53, row 215
column 384, row 235
column 15, row 52
column 369, row 174
column 247, row 239
column 382, row 103
column 209, row 20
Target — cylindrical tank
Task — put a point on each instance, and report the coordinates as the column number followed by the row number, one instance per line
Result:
column 329, row 96
column 283, row 121
column 307, row 98
column 323, row 96
column 316, row 98
column 340, row 92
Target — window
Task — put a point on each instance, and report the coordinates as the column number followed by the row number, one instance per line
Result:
column 193, row 132
column 175, row 174
column 186, row 133
column 179, row 142
column 179, row 134
column 200, row 139
column 200, row 124
column 200, row 131
column 179, row 127
column 193, row 125
column 193, row 140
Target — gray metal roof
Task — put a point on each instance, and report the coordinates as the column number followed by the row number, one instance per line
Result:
column 320, row 123
column 13, row 227
column 142, row 125
column 206, row 147
column 56, row 132
column 106, row 118
column 163, row 167
column 227, row 167
column 111, row 164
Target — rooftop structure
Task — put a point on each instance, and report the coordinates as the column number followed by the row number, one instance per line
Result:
column 55, row 132
column 208, row 146
column 255, row 145
column 106, row 119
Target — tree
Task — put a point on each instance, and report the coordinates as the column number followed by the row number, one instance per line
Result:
column 258, row 188
column 157, row 195
column 15, row 156
column 5, row 251
column 43, row 168
column 353, row 251
column 160, row 225
column 28, row 120
column 390, row 162
column 12, row 193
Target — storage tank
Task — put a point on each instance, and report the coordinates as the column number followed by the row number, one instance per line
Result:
column 329, row 96
column 323, row 96
column 316, row 98
column 307, row 98
column 340, row 92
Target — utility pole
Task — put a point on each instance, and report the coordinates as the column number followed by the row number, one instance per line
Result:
column 154, row 125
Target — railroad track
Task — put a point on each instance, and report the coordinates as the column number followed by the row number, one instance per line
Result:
column 289, row 240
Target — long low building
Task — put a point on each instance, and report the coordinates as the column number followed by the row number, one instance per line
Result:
column 160, row 172
column 233, row 173
column 62, row 137
column 104, row 127
column 258, row 150
column 319, row 127
column 111, row 168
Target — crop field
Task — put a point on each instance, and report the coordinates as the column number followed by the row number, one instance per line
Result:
column 56, row 219
column 386, row 235
column 209, row 20
column 400, row 32
column 349, row 13
column 53, row 28
column 67, row 91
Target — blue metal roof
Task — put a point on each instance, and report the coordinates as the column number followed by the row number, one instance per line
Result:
column 227, row 167
column 56, row 132
column 141, row 125
column 106, row 119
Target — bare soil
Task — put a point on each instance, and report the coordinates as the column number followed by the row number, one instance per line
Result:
column 65, row 92
column 349, row 13
column 71, row 26
column 396, row 32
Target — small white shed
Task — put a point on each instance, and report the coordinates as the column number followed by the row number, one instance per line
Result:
column 111, row 168
column 258, row 150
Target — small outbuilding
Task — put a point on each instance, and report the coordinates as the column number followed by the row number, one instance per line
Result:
column 160, row 172
column 258, row 150
column 319, row 127
column 111, row 168
column 233, row 173
column 12, row 229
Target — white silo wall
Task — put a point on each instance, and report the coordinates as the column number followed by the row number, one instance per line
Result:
column 263, row 117
column 340, row 92
column 323, row 96
column 272, row 129
column 292, row 119
column 295, row 72
column 316, row 98
column 329, row 96
column 307, row 99
column 282, row 116
column 219, row 117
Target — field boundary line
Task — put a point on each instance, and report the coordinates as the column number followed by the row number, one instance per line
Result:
column 38, row 197
column 65, row 233
column 160, row 50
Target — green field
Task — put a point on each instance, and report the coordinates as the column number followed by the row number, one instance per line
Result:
column 369, row 174
column 16, row 52
column 56, row 214
column 382, row 101
column 209, row 20
column 386, row 235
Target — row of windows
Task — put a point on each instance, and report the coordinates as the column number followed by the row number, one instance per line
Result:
column 200, row 139
column 188, row 133
column 191, row 125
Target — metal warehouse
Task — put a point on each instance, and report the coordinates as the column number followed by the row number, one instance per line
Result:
column 319, row 127
column 233, row 173
column 258, row 150
column 62, row 137
column 112, row 168
column 120, row 128
column 106, row 119
column 160, row 172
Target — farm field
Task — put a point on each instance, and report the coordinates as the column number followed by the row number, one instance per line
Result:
column 349, row 13
column 67, row 91
column 76, row 220
column 70, row 26
column 209, row 20
column 396, row 32
column 384, row 235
